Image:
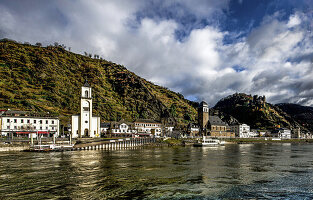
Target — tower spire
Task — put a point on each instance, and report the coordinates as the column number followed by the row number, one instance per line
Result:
column 86, row 82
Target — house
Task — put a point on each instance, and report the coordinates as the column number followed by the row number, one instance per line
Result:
column 282, row 133
column 25, row 123
column 193, row 129
column 122, row 129
column 104, row 127
column 243, row 131
column 148, row 127
column 85, row 124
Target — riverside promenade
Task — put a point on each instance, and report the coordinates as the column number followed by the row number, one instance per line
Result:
column 113, row 144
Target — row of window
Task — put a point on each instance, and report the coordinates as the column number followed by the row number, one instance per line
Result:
column 29, row 121
column 151, row 125
column 15, row 128
column 218, row 128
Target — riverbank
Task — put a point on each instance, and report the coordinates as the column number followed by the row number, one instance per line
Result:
column 266, row 140
column 13, row 147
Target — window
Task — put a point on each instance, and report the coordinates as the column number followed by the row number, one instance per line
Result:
column 8, row 127
column 86, row 93
column 34, row 121
column 40, row 121
column 40, row 127
column 46, row 121
column 46, row 127
column 28, row 121
column 15, row 127
column 8, row 120
column 86, row 122
column 52, row 128
column 22, row 120
column 52, row 122
column 15, row 120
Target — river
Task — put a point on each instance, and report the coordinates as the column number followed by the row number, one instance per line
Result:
column 245, row 171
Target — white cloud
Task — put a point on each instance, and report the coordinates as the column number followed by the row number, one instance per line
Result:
column 294, row 20
column 275, row 56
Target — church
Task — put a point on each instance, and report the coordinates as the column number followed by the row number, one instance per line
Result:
column 212, row 125
column 85, row 124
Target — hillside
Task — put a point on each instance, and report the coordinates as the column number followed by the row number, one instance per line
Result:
column 49, row 79
column 254, row 111
column 302, row 114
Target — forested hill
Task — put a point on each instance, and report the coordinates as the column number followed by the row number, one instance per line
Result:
column 303, row 114
column 256, row 112
column 49, row 79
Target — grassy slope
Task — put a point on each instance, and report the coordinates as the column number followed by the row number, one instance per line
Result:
column 49, row 79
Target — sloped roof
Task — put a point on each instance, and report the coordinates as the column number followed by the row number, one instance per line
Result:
column 203, row 103
column 86, row 83
column 215, row 120
column 146, row 121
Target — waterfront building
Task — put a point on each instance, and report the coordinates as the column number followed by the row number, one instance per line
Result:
column 217, row 128
column 104, row 127
column 193, row 129
column 243, row 131
column 120, row 129
column 282, row 133
column 85, row 124
column 25, row 123
column 148, row 127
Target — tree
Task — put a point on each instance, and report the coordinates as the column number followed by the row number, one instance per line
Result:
column 38, row 44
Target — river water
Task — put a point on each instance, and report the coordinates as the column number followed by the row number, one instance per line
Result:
column 245, row 171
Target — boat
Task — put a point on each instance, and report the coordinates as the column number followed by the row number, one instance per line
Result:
column 209, row 141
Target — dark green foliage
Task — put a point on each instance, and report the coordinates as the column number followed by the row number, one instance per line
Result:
column 50, row 78
column 255, row 111
column 302, row 114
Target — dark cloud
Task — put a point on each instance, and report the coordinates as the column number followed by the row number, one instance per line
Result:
column 181, row 45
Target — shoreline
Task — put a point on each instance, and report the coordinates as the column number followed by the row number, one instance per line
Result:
column 175, row 142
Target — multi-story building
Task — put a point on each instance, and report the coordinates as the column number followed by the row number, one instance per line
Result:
column 243, row 131
column 217, row 128
column 25, row 123
column 147, row 127
column 85, row 124
column 121, row 128
column 193, row 129
column 282, row 133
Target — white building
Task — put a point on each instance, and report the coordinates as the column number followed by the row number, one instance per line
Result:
column 25, row 123
column 122, row 128
column 285, row 133
column 148, row 127
column 85, row 124
column 243, row 131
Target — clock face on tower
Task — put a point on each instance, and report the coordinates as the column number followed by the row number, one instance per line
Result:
column 86, row 105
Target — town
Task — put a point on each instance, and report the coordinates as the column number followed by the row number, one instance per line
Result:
column 28, row 124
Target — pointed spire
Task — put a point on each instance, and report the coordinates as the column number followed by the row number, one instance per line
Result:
column 86, row 82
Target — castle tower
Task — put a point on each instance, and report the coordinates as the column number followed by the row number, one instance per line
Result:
column 85, row 125
column 203, row 117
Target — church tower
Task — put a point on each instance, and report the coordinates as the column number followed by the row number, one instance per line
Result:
column 85, row 125
column 203, row 117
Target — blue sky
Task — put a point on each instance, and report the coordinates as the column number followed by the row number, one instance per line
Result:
column 204, row 49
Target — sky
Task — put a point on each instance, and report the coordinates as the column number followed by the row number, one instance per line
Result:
column 203, row 49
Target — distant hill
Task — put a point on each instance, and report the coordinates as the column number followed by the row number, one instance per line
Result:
column 254, row 111
column 302, row 114
column 49, row 79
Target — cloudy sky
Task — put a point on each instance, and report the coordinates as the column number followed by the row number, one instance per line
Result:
column 204, row 49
